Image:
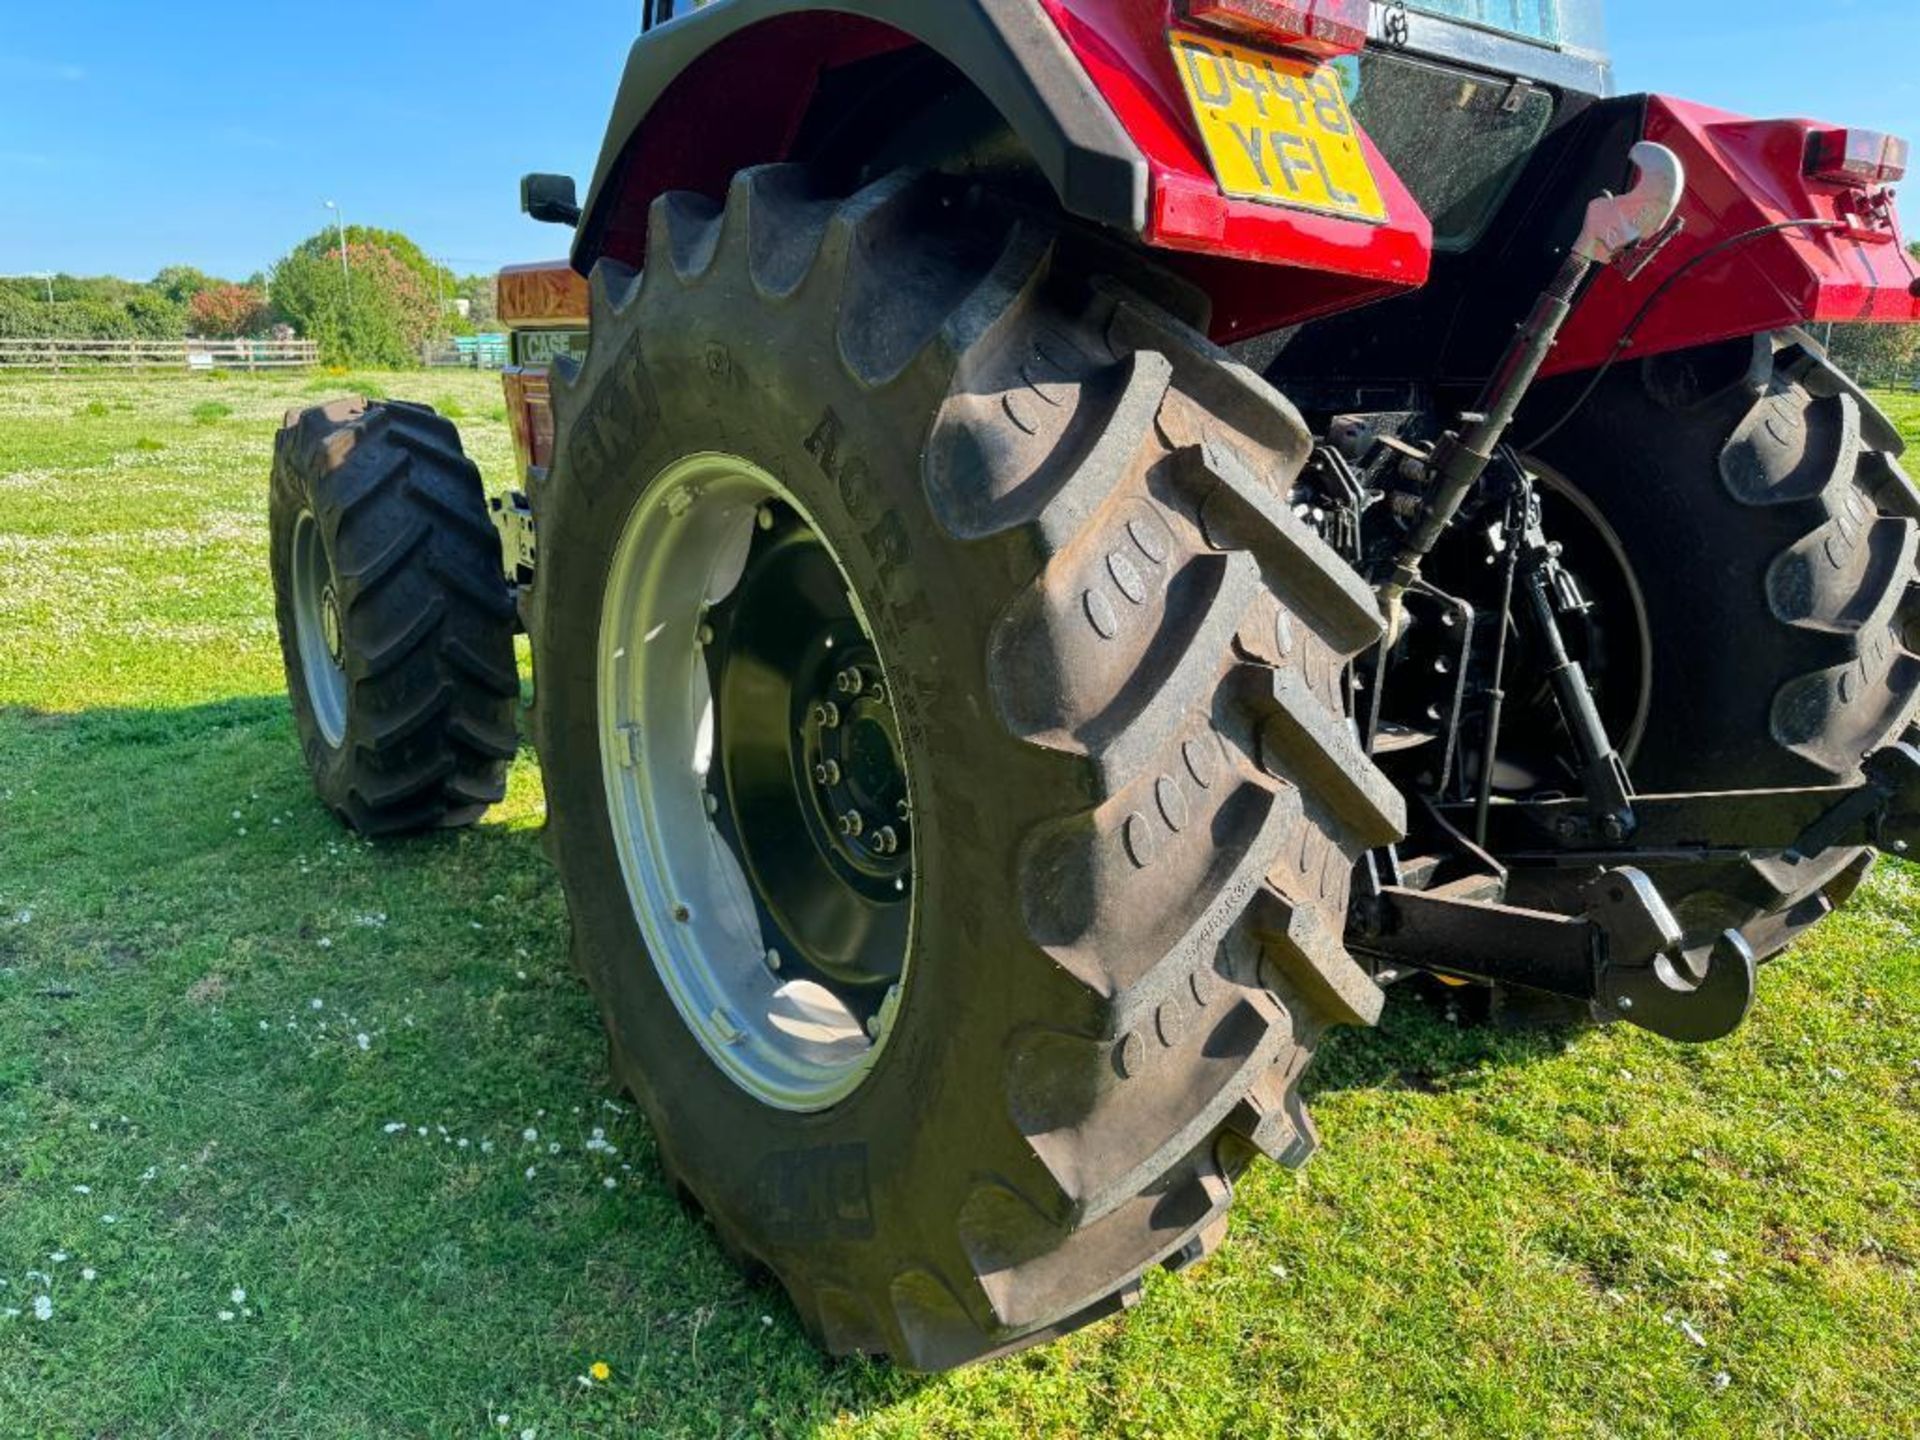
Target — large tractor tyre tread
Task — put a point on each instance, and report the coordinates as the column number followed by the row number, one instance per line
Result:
column 1144, row 795
column 426, row 618
column 1759, row 494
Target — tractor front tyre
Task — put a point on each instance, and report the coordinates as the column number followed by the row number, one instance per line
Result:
column 942, row 716
column 396, row 622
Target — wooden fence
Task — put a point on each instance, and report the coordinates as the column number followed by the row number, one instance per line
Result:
column 65, row 355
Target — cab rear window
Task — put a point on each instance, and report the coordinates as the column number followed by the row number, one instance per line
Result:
column 1530, row 19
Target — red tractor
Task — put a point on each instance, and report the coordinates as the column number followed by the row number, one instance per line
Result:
column 1069, row 544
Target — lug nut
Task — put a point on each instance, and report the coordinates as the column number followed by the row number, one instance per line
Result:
column 827, row 772
column 852, row 823
column 825, row 714
column 773, row 961
column 850, row 681
column 879, row 693
column 903, row 810
column 886, row 841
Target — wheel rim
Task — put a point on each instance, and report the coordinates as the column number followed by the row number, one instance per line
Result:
column 319, row 631
column 755, row 782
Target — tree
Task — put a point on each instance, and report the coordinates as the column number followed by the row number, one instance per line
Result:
column 379, row 318
column 1877, row 354
column 180, row 283
column 483, row 306
column 229, row 312
column 435, row 280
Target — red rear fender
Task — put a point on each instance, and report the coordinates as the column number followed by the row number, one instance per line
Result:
column 1088, row 86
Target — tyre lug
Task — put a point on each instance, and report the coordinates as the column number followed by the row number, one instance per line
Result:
column 852, row 823
column 886, row 841
column 763, row 517
column 773, row 961
column 903, row 810
column 827, row 772
column 712, row 802
column 703, row 637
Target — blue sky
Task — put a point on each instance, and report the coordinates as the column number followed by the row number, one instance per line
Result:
column 139, row 133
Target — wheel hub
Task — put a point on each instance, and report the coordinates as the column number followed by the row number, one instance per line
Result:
column 756, row 782
column 330, row 627
column 319, row 631
column 849, row 746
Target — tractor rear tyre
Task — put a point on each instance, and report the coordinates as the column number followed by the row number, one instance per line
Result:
column 396, row 623
column 1758, row 500
column 943, row 724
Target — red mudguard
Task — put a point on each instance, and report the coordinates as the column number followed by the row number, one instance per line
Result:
column 1334, row 264
column 1743, row 175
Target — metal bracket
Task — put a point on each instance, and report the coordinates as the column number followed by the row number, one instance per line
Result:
column 1882, row 811
column 512, row 516
column 1620, row 953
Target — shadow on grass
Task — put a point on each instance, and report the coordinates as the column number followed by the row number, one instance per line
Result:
column 202, row 818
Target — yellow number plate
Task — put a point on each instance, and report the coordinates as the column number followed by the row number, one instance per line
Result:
column 1277, row 130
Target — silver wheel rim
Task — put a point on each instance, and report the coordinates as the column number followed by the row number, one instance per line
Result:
column 318, row 630
column 792, row 1042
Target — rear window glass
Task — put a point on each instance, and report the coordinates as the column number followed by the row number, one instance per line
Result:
column 1533, row 19
column 1457, row 139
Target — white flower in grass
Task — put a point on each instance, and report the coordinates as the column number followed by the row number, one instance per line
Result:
column 363, row 1040
column 316, row 1003
column 486, row 1147
column 529, row 1135
column 239, row 1296
column 394, row 1127
column 532, row 1170
column 109, row 1219
column 89, row 1273
column 553, row 1147
column 59, row 1257
column 149, row 1173
column 609, row 1183
column 43, row 1307
column 224, row 1316
column 83, row 1190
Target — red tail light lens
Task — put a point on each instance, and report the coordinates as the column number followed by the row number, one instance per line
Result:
column 1860, row 158
column 1325, row 27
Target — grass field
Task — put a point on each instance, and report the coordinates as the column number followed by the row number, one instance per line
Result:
column 293, row 1131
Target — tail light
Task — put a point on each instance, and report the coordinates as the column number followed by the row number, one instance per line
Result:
column 1325, row 27
column 1858, row 158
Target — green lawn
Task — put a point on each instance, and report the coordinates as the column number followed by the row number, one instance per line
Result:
column 217, row 1012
